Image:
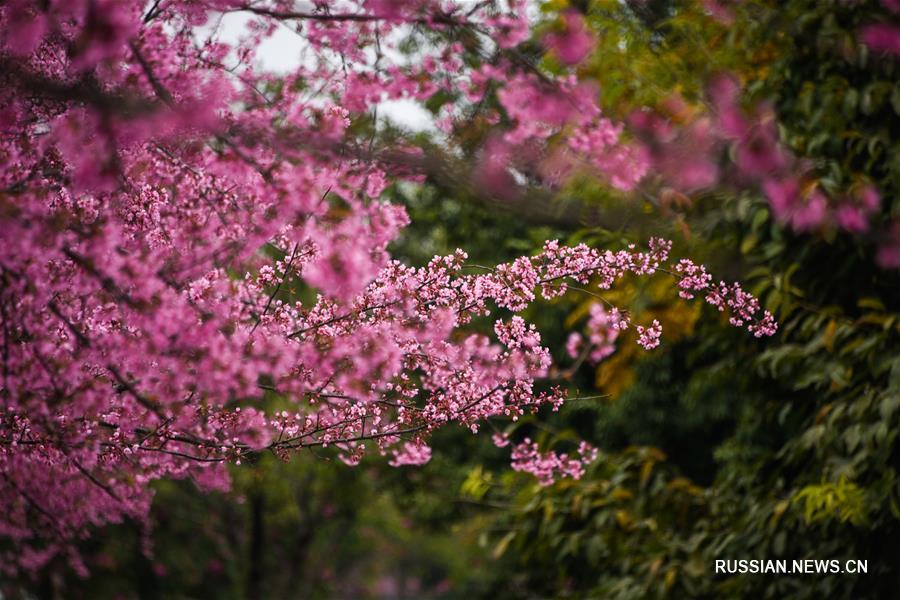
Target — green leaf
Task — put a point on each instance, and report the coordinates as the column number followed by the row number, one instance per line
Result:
column 501, row 547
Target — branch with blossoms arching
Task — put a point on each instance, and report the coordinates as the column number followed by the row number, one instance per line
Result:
column 440, row 301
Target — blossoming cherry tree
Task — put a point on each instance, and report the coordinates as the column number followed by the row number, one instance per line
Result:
column 159, row 193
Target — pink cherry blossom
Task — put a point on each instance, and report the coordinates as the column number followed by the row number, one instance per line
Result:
column 648, row 337
column 549, row 466
column 882, row 38
column 574, row 344
column 573, row 42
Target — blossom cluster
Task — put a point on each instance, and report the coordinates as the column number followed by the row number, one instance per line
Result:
column 687, row 153
column 549, row 466
column 603, row 329
column 884, row 37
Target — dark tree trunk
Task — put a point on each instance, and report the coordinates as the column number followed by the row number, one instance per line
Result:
column 257, row 544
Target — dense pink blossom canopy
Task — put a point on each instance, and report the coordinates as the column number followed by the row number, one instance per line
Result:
column 157, row 192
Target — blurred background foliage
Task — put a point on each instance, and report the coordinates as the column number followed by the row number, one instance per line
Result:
column 721, row 447
column 714, row 446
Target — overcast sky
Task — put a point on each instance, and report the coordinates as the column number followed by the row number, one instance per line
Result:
column 284, row 51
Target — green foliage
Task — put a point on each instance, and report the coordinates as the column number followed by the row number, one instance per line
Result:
column 625, row 531
column 794, row 439
column 843, row 500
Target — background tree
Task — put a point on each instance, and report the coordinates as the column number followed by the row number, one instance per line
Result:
column 790, row 452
